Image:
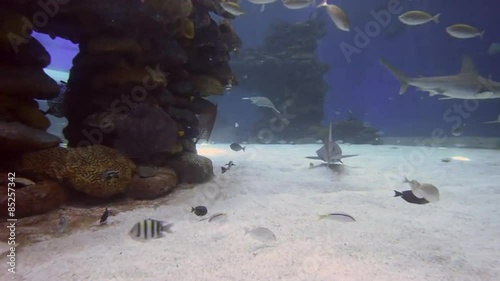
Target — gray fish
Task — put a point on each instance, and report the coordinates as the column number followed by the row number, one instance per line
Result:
column 236, row 146
column 262, row 234
column 342, row 217
column 149, row 228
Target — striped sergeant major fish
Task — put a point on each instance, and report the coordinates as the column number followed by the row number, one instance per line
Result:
column 149, row 228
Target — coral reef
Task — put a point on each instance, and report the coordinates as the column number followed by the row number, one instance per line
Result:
column 286, row 71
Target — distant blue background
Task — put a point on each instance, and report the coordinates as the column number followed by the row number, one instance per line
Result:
column 364, row 86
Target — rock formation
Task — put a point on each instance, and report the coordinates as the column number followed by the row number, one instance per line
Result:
column 136, row 92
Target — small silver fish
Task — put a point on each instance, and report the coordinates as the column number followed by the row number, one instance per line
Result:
column 262, row 234
column 342, row 217
column 217, row 217
column 149, row 228
column 232, row 8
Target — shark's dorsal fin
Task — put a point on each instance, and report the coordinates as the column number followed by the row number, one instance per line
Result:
column 467, row 65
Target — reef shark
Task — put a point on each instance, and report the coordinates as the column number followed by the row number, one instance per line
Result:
column 330, row 152
column 467, row 84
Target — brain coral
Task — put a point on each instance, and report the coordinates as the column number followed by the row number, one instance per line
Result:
column 97, row 170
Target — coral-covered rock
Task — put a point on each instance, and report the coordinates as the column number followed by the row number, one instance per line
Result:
column 98, row 171
column 17, row 138
column 192, row 168
column 147, row 188
column 41, row 197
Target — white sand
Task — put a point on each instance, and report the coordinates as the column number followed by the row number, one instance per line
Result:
column 457, row 238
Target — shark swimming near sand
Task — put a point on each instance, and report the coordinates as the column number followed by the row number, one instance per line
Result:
column 467, row 84
column 330, row 152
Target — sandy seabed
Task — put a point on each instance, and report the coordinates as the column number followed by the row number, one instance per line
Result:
column 457, row 238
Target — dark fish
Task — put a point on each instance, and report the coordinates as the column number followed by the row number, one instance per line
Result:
column 458, row 130
column 199, row 210
column 236, row 147
column 409, row 197
column 110, row 174
column 149, row 228
column 104, row 217
column 227, row 167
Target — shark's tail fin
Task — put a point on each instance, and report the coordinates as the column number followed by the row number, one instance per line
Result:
column 403, row 79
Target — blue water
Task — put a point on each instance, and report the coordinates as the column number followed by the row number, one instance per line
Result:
column 360, row 83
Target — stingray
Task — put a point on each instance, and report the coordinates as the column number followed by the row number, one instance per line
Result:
column 330, row 152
